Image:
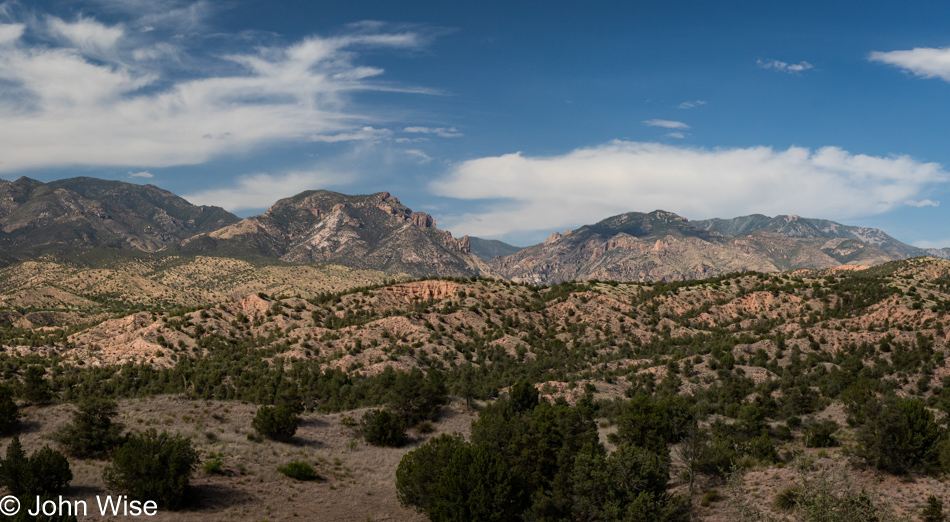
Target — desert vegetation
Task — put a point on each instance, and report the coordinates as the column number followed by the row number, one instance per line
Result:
column 748, row 395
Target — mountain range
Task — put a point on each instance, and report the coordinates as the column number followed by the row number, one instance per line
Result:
column 377, row 232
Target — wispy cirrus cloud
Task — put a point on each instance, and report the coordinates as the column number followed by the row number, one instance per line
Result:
column 922, row 203
column 779, row 65
column 690, row 104
column 442, row 132
column 666, row 124
column 523, row 193
column 83, row 92
column 925, row 62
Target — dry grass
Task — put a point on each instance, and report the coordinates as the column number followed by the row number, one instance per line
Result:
column 359, row 480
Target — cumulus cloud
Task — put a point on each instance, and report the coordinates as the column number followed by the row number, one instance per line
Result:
column 81, row 92
column 922, row 203
column 690, row 104
column 779, row 65
column 258, row 191
column 144, row 174
column 666, row 124
column 924, row 62
column 524, row 193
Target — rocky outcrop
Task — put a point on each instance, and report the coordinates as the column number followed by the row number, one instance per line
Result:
column 422, row 290
column 372, row 231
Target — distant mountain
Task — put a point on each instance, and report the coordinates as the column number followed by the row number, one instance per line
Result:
column 369, row 231
column 488, row 249
column 88, row 212
column 807, row 228
column 664, row 246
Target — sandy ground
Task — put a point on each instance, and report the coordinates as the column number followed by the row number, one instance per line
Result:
column 359, row 480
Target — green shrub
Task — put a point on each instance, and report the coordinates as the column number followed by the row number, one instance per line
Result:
column 35, row 388
column 214, row 465
column 299, row 471
column 45, row 472
column 9, row 412
column 900, row 435
column 821, row 434
column 91, row 434
column 275, row 422
column 153, row 466
column 787, row 499
column 710, row 497
column 934, row 510
column 382, row 428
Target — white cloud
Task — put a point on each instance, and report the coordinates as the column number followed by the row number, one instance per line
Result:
column 366, row 133
column 442, row 132
column 690, row 104
column 258, row 191
column 666, row 124
column 422, row 156
column 144, row 174
column 678, row 135
column 922, row 203
column 586, row 185
column 922, row 61
column 104, row 96
column 784, row 66
column 88, row 36
column 10, row 33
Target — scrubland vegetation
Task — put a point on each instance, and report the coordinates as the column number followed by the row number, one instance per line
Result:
column 805, row 395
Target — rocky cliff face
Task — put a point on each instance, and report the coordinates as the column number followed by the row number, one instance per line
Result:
column 88, row 212
column 666, row 247
column 371, row 231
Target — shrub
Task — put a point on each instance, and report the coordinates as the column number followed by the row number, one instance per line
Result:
column 46, row 471
column 35, row 387
column 710, row 497
column 900, row 435
column 934, row 510
column 91, row 434
column 787, row 499
column 450, row 479
column 299, row 471
column 9, row 412
column 382, row 428
column 275, row 422
column 415, row 398
column 821, row 435
column 153, row 466
column 214, row 465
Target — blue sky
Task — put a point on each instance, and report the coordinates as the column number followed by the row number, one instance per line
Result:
column 502, row 119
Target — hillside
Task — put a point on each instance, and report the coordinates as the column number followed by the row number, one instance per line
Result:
column 488, row 249
column 807, row 228
column 662, row 246
column 756, row 359
column 80, row 213
column 795, row 345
